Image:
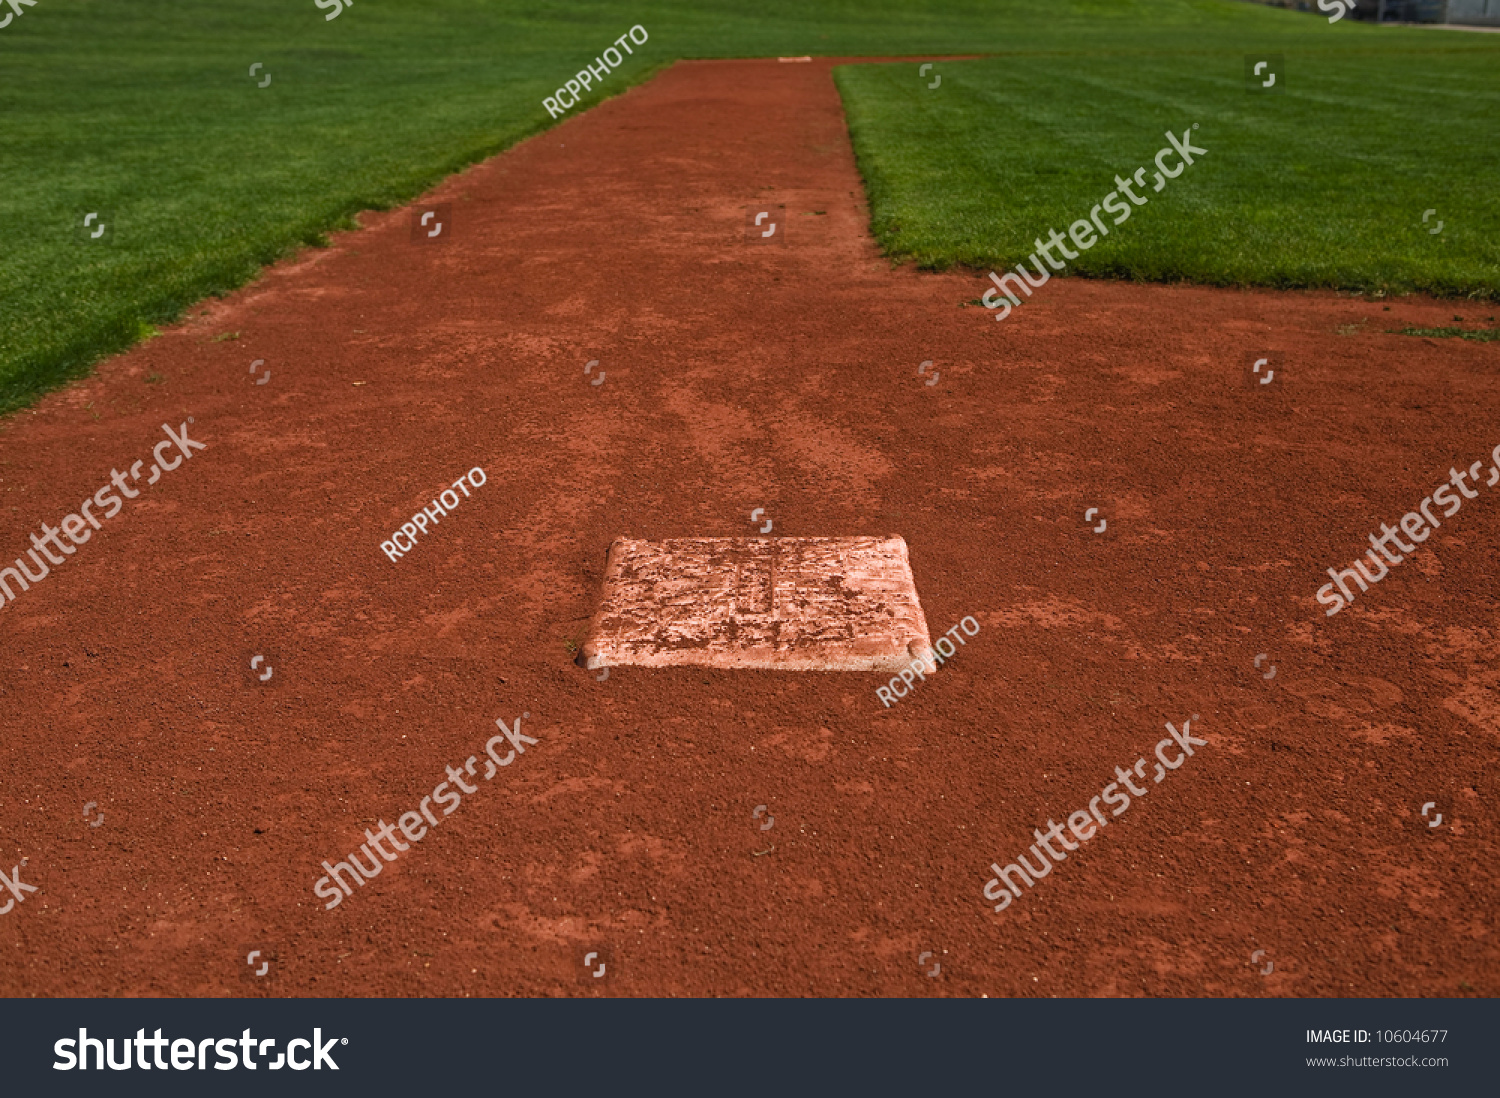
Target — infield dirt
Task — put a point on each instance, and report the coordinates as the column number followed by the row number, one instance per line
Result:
column 740, row 377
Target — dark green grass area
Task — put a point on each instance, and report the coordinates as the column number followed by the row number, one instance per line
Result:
column 1322, row 185
column 1478, row 335
column 147, row 113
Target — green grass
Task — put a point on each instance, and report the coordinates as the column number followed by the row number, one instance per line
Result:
column 1322, row 185
column 1478, row 335
column 148, row 112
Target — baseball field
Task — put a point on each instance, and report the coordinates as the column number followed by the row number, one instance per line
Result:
column 279, row 280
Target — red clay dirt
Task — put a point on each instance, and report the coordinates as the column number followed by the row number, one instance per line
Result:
column 742, row 377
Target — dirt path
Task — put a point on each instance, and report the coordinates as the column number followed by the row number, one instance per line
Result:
column 737, row 377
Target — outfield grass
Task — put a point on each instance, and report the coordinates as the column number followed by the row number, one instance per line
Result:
column 148, row 112
column 1477, row 335
column 1322, row 185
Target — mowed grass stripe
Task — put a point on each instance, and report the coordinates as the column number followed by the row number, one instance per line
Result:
column 1322, row 185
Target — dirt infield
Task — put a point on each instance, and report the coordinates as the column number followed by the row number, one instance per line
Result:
column 711, row 832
